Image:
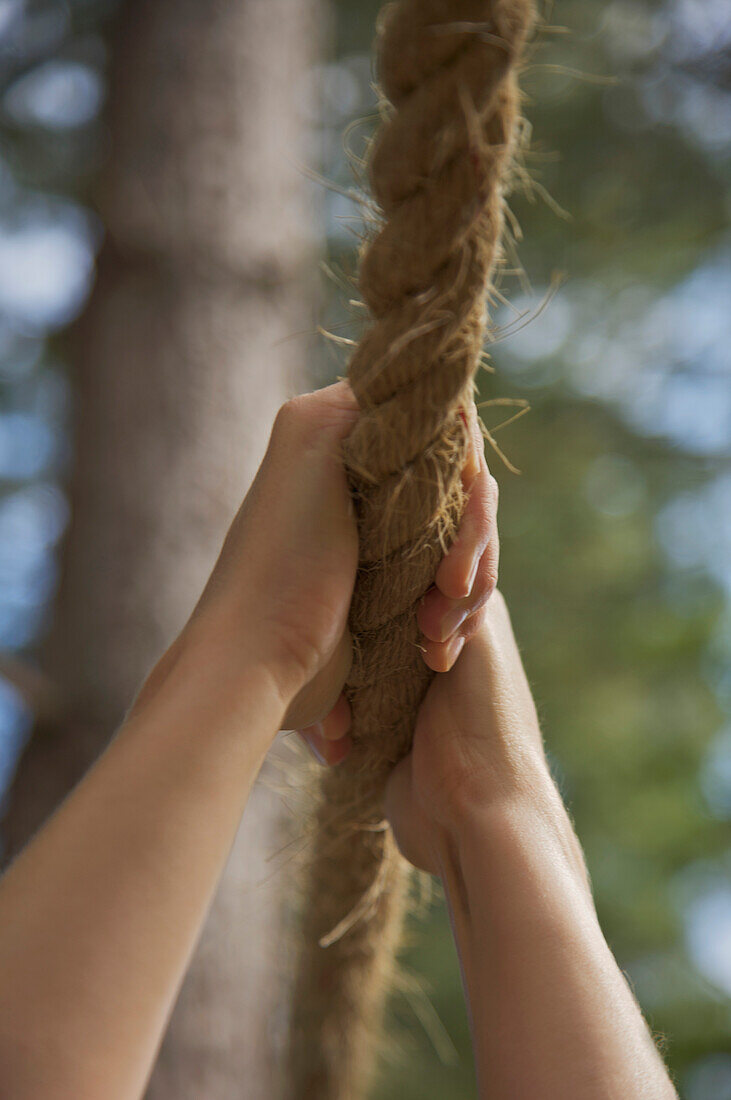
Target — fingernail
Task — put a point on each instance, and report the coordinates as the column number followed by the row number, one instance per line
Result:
column 454, row 649
column 315, row 730
column 452, row 621
column 473, row 573
column 312, row 746
column 340, row 750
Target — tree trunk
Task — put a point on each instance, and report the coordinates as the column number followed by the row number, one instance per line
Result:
column 181, row 361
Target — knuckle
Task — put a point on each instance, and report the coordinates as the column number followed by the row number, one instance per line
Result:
column 484, row 522
column 307, row 415
column 491, row 578
column 499, row 600
column 473, row 624
column 289, row 417
column 485, row 501
column 486, row 581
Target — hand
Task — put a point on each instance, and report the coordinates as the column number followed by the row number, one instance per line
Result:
column 452, row 610
column 477, row 746
column 278, row 598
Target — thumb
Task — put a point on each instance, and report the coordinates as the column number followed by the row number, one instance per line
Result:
column 412, row 829
column 318, row 697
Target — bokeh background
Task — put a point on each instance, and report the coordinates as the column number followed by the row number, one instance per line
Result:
column 616, row 535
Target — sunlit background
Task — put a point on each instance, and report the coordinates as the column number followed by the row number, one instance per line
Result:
column 616, row 535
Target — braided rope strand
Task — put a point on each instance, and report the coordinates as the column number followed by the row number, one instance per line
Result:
column 437, row 165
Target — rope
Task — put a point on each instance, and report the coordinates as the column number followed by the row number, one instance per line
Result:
column 437, row 166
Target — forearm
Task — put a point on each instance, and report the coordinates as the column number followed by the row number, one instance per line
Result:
column 552, row 1014
column 101, row 912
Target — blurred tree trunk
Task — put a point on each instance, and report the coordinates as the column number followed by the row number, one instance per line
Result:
column 181, row 362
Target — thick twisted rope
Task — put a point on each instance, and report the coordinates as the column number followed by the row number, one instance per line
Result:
column 437, row 168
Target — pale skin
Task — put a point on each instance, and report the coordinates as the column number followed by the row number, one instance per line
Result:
column 100, row 913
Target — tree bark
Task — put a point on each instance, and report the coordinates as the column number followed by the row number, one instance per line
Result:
column 181, row 361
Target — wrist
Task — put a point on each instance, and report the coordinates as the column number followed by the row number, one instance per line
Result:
column 527, row 821
column 213, row 683
column 491, row 788
column 245, row 634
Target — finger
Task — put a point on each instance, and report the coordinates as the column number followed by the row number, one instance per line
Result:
column 333, row 407
column 477, row 446
column 439, row 618
column 442, row 656
column 328, row 738
column 336, row 723
column 458, row 569
column 442, row 648
column 325, row 750
column 338, row 394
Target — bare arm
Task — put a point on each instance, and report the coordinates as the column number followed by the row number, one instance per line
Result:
column 100, row 913
column 474, row 803
column 552, row 1014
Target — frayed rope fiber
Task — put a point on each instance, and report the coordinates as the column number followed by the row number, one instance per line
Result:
column 437, row 168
